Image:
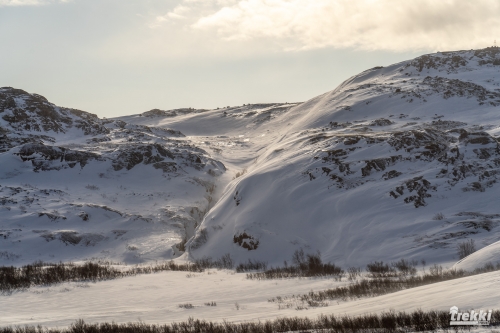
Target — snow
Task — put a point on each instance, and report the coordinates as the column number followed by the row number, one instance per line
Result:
column 156, row 299
column 486, row 255
column 285, row 208
column 352, row 211
column 396, row 162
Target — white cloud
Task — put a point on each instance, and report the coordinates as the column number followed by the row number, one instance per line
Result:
column 29, row 2
column 365, row 24
column 178, row 13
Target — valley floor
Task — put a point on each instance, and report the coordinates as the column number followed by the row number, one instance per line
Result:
column 156, row 298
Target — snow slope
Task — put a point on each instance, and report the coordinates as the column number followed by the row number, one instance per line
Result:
column 486, row 255
column 74, row 187
column 400, row 161
column 396, row 162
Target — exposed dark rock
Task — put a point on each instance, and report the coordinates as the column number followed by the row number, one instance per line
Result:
column 41, row 157
column 379, row 164
column 417, row 186
column 166, row 166
column 381, row 122
column 437, row 61
column 52, row 216
column 129, row 157
column 35, row 113
column 246, row 241
column 391, row 174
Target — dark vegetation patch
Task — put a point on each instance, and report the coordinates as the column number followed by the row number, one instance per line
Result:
column 251, row 265
column 40, row 273
column 303, row 265
column 386, row 322
column 386, row 278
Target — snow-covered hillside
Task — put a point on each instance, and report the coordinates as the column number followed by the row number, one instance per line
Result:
column 396, row 162
column 73, row 186
column 400, row 161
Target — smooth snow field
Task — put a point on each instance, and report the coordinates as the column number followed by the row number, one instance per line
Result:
column 156, row 299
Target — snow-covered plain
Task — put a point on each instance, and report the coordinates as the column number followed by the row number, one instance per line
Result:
column 156, row 299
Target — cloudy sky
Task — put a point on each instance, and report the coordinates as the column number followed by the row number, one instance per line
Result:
column 117, row 57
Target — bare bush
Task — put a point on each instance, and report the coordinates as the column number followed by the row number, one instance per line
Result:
column 304, row 265
column 92, row 187
column 436, row 270
column 353, row 273
column 406, row 267
column 438, row 217
column 466, row 248
column 416, row 321
column 382, row 286
column 40, row 273
column 251, row 265
column 224, row 262
column 377, row 269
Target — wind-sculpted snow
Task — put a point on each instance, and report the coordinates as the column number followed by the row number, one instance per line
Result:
column 397, row 162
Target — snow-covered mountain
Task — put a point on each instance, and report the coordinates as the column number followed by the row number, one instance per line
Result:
column 400, row 161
